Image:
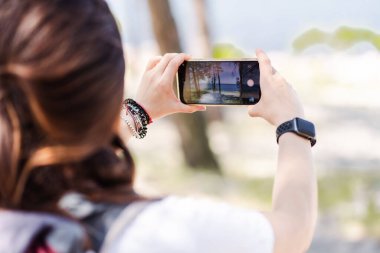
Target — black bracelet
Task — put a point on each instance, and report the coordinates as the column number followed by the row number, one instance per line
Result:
column 137, row 107
column 139, row 115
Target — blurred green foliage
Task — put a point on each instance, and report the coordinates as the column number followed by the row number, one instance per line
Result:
column 372, row 218
column 341, row 192
column 355, row 189
column 259, row 189
column 225, row 51
column 342, row 38
column 336, row 189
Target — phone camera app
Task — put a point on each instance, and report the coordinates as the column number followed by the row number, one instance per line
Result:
column 250, row 82
column 222, row 82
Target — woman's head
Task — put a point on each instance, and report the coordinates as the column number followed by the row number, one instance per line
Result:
column 61, row 87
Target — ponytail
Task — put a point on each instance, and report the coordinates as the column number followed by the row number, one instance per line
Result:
column 61, row 90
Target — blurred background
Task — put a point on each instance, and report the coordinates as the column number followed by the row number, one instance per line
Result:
column 328, row 50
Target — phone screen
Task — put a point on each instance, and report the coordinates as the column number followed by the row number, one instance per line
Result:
column 219, row 82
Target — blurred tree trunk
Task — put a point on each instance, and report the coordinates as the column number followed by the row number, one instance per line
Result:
column 205, row 49
column 204, row 41
column 192, row 127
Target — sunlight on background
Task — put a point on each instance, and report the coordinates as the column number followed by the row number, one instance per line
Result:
column 329, row 52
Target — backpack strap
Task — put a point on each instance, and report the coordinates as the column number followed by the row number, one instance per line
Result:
column 22, row 231
column 126, row 218
column 104, row 222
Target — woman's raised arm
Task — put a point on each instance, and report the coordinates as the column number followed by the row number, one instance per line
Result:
column 155, row 93
column 294, row 208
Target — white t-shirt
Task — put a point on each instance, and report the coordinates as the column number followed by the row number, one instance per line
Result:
column 189, row 225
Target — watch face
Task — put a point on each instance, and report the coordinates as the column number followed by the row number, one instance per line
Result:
column 305, row 127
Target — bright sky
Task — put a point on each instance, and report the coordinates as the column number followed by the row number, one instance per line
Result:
column 229, row 74
column 269, row 24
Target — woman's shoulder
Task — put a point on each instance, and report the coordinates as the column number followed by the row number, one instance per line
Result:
column 187, row 224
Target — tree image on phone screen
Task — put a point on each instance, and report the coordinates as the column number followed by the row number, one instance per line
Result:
column 219, row 82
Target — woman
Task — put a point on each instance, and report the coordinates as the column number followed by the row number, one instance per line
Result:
column 61, row 86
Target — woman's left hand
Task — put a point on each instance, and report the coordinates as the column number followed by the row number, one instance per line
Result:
column 156, row 92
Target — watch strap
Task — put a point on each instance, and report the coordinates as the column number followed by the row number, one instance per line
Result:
column 292, row 126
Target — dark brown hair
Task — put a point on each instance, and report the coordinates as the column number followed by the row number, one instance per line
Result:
column 61, row 86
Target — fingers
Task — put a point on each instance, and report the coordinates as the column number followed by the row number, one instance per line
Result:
column 153, row 62
column 191, row 108
column 172, row 68
column 187, row 57
column 161, row 66
column 266, row 68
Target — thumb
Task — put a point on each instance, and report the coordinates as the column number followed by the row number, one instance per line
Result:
column 192, row 108
column 254, row 110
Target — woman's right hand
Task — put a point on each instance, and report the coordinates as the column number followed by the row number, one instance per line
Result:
column 279, row 101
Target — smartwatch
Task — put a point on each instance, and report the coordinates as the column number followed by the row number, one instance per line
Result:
column 298, row 126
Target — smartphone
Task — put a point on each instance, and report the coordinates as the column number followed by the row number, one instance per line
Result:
column 219, row 82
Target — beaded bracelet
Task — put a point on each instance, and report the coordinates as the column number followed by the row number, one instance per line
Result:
column 132, row 111
column 127, row 119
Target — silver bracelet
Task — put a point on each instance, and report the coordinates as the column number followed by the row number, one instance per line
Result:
column 123, row 115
